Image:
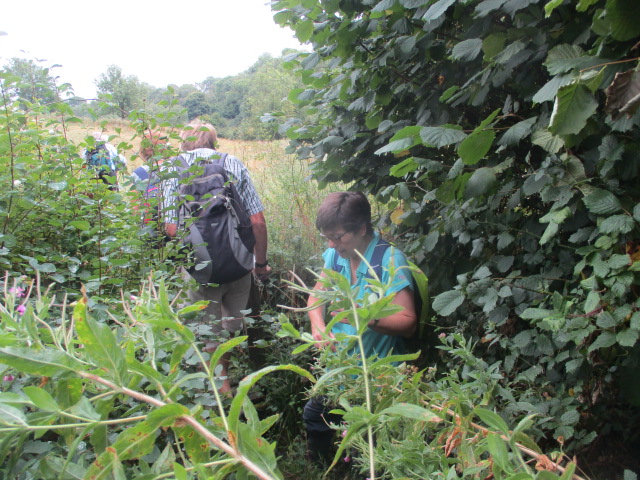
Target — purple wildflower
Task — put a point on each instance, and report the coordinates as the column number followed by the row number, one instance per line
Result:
column 21, row 309
column 8, row 378
column 17, row 291
column 347, row 459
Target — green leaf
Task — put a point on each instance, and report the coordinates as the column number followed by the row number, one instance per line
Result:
column 475, row 146
column 498, row 450
column 58, row 186
column 139, row 440
column 549, row 233
column 492, row 420
column 403, row 168
column 550, row 89
column 492, row 45
column 304, row 30
column 592, row 302
column 602, row 202
column 551, row 6
column 224, row 348
column 517, row 132
column 100, row 344
column 180, row 472
column 622, row 16
column 563, row 58
column 41, row 399
column 570, row 418
column 81, row 225
column 628, row 337
column 556, row 216
column 617, row 224
column 480, row 182
column 11, row 416
column 447, row 302
column 545, row 139
column 583, row 5
column 536, row 313
column 413, row 412
column 604, row 340
column 574, row 105
column 249, row 381
column 448, row 93
column 45, row 363
column 437, row 10
column 569, row 471
column 397, row 146
column 467, row 50
column 410, row 132
column 258, row 450
column 442, row 136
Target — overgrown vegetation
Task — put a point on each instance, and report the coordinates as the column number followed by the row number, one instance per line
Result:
column 500, row 140
column 504, row 137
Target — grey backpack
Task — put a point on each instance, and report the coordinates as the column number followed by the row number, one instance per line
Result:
column 220, row 236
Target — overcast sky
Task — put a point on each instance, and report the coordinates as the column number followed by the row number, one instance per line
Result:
column 161, row 42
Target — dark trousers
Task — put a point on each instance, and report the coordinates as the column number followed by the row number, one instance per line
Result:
column 320, row 436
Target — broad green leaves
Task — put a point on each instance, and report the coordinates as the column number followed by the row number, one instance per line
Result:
column 573, row 107
column 467, row 50
column 507, row 175
column 621, row 17
column 101, row 344
column 476, row 146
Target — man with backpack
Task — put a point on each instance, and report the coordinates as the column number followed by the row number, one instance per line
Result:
column 213, row 206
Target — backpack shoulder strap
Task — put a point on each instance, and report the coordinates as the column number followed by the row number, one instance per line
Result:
column 220, row 163
column 334, row 266
column 376, row 258
column 222, row 158
column 142, row 173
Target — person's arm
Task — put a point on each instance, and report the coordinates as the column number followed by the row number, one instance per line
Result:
column 404, row 322
column 316, row 316
column 259, row 226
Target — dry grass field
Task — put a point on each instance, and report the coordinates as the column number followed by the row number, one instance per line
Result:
column 254, row 154
column 289, row 197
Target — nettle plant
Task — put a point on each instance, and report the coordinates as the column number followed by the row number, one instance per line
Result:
column 86, row 399
column 399, row 422
column 503, row 137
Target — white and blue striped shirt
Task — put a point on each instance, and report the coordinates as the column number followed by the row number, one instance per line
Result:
column 236, row 171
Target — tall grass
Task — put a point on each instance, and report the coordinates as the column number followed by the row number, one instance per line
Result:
column 291, row 201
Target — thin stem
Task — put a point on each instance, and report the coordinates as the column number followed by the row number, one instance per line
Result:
column 485, row 430
column 367, row 388
column 199, row 428
column 85, row 422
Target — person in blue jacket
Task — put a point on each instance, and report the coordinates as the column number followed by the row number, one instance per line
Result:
column 344, row 220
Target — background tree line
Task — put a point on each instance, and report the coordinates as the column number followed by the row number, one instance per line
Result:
column 236, row 104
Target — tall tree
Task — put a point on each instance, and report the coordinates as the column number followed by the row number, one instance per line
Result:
column 196, row 105
column 124, row 92
column 35, row 82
